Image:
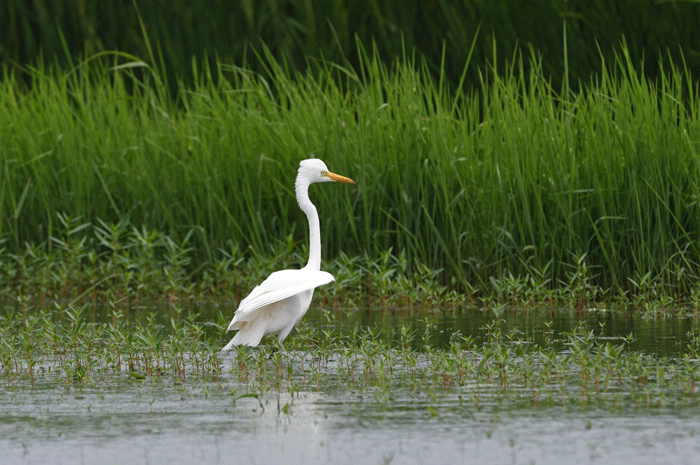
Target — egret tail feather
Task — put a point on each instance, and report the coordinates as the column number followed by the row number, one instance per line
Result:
column 249, row 335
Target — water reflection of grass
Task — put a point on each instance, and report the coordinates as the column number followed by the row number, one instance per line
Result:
column 62, row 349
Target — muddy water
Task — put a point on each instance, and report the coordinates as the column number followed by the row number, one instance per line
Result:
column 164, row 422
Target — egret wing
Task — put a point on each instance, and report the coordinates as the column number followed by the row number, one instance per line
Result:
column 282, row 284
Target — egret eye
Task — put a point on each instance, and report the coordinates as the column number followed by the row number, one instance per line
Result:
column 324, row 173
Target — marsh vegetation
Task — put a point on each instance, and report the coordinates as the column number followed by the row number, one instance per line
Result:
column 134, row 218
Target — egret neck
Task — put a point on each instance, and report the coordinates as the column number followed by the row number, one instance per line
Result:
column 301, row 187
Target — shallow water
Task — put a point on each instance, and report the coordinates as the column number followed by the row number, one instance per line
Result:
column 662, row 334
column 151, row 423
column 164, row 421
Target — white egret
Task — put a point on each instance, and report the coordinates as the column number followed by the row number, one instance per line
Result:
column 283, row 298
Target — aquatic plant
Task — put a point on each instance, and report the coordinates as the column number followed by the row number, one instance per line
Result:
column 63, row 349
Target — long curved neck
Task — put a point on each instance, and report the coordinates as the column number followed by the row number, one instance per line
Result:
column 302, row 191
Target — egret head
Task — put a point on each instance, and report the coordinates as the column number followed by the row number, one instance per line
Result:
column 314, row 170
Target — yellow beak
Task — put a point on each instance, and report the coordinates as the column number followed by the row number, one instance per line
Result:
column 339, row 178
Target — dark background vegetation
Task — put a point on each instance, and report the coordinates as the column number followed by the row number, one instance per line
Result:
column 179, row 32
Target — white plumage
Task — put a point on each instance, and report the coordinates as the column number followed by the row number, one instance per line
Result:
column 280, row 301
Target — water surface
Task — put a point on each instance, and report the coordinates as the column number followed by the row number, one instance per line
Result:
column 165, row 421
column 152, row 423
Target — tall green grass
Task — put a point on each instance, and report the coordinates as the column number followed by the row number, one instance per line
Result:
column 512, row 180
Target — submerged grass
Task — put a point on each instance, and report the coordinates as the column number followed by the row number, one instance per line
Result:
column 61, row 348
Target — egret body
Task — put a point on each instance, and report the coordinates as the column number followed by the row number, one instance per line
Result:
column 283, row 298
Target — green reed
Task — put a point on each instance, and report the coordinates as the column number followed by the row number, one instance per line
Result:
column 594, row 191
